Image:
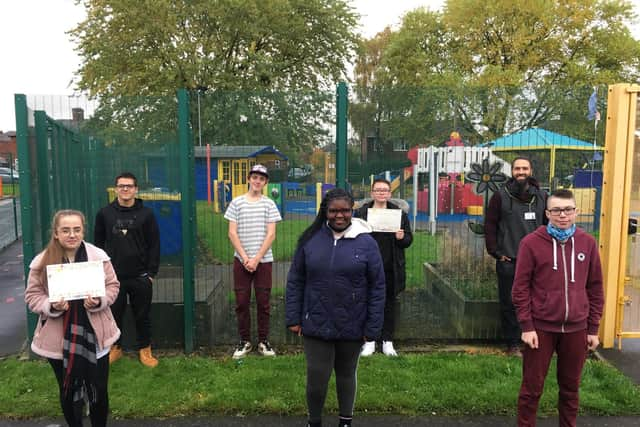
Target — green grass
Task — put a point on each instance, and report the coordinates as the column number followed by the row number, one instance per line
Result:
column 440, row 383
column 424, row 248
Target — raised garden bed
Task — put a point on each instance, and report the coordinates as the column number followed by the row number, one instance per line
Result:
column 470, row 318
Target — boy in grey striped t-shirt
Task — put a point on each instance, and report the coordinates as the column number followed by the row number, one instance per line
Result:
column 252, row 228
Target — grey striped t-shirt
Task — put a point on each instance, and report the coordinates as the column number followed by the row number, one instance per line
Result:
column 252, row 219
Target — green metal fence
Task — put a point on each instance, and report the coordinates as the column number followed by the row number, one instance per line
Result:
column 427, row 142
column 191, row 153
column 10, row 228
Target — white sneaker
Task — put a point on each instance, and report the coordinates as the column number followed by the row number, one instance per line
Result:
column 387, row 348
column 242, row 350
column 265, row 349
column 368, row 348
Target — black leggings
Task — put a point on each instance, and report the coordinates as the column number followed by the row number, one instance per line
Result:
column 73, row 411
column 322, row 358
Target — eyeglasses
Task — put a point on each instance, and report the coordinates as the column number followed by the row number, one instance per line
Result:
column 380, row 190
column 339, row 211
column 558, row 211
column 125, row 186
column 69, row 231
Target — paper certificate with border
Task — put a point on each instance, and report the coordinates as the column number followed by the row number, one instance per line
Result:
column 75, row 280
column 385, row 220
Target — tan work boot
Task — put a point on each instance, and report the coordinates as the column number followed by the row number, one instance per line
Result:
column 115, row 353
column 146, row 358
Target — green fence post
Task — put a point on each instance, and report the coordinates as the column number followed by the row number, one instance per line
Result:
column 341, row 136
column 187, row 205
column 43, row 173
column 26, row 204
column 55, row 174
column 66, row 170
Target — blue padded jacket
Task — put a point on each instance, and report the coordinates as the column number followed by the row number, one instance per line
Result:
column 335, row 288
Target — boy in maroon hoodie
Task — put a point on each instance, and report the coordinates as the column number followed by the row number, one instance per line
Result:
column 558, row 296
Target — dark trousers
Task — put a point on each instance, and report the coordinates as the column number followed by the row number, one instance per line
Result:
column 506, row 271
column 71, row 410
column 139, row 291
column 323, row 357
column 242, row 280
column 389, row 323
column 571, row 349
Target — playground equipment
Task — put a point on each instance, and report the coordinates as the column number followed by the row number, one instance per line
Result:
column 536, row 139
column 453, row 160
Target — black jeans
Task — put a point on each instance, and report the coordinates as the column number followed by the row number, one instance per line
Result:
column 506, row 271
column 71, row 410
column 139, row 290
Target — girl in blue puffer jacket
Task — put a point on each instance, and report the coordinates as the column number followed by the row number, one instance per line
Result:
column 335, row 299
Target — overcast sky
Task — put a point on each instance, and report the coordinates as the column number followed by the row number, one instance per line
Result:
column 38, row 57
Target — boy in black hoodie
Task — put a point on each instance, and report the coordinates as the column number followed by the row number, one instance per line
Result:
column 129, row 233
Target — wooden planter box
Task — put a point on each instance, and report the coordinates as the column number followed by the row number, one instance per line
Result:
column 471, row 319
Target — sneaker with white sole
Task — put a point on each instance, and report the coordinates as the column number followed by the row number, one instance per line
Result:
column 265, row 349
column 242, row 350
column 368, row 348
column 387, row 349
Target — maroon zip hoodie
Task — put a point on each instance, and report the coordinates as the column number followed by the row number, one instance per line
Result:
column 558, row 286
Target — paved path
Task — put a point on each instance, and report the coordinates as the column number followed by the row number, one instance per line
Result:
column 13, row 318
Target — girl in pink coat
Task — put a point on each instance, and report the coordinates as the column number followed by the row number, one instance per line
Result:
column 75, row 336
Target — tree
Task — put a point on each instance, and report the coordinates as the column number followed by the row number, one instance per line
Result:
column 266, row 51
column 505, row 65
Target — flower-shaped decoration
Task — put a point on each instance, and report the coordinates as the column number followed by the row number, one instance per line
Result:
column 487, row 176
column 488, row 179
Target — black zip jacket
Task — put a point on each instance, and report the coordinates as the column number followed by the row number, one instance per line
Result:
column 391, row 248
column 130, row 236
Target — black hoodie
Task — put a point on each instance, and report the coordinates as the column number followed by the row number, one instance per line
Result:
column 130, row 236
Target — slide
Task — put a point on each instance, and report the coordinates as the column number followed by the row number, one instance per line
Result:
column 395, row 183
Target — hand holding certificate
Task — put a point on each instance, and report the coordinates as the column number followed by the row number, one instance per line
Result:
column 384, row 220
column 76, row 280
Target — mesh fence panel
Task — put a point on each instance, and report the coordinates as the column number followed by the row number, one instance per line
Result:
column 290, row 134
column 425, row 141
column 412, row 137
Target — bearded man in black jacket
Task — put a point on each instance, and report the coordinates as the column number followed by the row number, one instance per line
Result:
column 514, row 211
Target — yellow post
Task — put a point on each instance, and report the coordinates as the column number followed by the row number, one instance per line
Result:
column 552, row 163
column 318, row 195
column 616, row 192
column 216, row 204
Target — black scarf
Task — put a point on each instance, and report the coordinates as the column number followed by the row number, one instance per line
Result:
column 79, row 348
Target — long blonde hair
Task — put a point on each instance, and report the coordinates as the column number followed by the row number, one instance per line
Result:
column 54, row 252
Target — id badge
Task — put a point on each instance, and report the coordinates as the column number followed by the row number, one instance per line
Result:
column 530, row 216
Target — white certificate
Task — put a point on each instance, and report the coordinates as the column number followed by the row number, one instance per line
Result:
column 386, row 220
column 76, row 280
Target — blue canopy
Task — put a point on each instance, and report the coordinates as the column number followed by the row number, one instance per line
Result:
column 538, row 139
